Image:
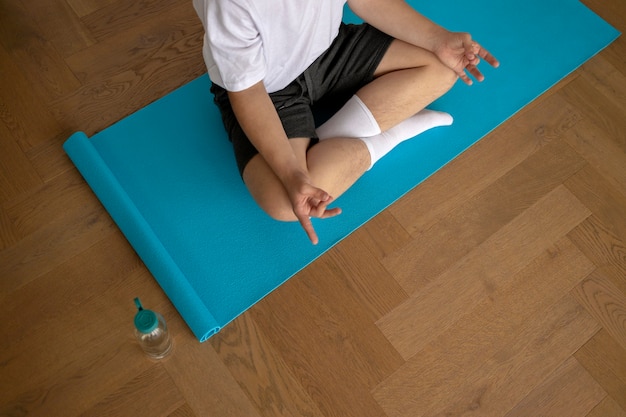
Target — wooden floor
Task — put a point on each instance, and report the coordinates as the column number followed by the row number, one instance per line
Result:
column 495, row 288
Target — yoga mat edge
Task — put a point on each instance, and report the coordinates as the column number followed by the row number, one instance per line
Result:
column 139, row 233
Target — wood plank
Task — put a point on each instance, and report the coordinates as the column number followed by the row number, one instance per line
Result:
column 361, row 274
column 606, row 79
column 63, row 290
column 205, row 382
column 48, row 157
column 607, row 203
column 52, row 245
column 17, row 174
column 88, row 315
column 331, row 347
column 525, row 373
column 65, row 197
column 143, row 46
column 82, row 323
column 484, row 163
column 605, row 249
column 511, row 313
column 30, row 50
column 8, row 234
column 607, row 408
column 261, row 372
column 119, row 16
column 490, row 265
column 605, row 359
column 510, row 374
column 569, row 391
column 615, row 53
column 612, row 11
column 602, row 237
column 331, row 291
column 86, row 381
column 606, row 303
column 184, row 411
column 137, row 398
column 472, row 222
column 60, row 25
column 595, row 107
column 84, row 7
column 328, row 290
column 20, row 104
column 601, row 150
column 131, row 70
column 382, row 235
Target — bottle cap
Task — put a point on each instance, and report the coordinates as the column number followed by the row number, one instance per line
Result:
column 145, row 320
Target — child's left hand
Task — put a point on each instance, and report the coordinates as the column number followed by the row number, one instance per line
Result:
column 460, row 52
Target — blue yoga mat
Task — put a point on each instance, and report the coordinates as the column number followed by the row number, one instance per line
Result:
column 167, row 176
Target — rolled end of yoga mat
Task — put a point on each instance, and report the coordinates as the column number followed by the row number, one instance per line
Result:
column 140, row 235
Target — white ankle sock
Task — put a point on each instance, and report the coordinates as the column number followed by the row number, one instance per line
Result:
column 381, row 144
column 353, row 120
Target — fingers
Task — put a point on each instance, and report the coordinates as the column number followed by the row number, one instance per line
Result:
column 307, row 225
column 328, row 213
column 315, row 204
column 320, row 209
column 491, row 60
column 463, row 76
column 476, row 73
column 476, row 50
column 472, row 49
column 473, row 53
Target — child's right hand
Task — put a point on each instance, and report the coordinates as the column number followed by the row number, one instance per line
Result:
column 309, row 201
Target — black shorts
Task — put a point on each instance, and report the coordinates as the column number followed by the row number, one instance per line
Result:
column 318, row 92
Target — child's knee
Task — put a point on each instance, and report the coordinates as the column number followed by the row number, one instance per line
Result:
column 274, row 204
column 446, row 76
column 280, row 212
column 273, row 201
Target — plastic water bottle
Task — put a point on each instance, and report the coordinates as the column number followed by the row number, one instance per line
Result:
column 151, row 332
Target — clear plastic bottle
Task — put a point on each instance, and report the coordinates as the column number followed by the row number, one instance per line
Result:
column 151, row 332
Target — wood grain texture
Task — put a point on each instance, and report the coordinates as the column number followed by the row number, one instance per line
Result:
column 475, row 276
column 473, row 222
column 204, row 380
column 21, row 105
column 603, row 247
column 250, row 359
column 507, row 147
column 510, row 313
column 31, row 51
column 314, row 333
column 569, row 391
column 606, row 303
column 60, row 25
column 497, row 287
column 506, row 377
column 603, row 358
column 607, row 408
column 141, row 402
column 17, row 173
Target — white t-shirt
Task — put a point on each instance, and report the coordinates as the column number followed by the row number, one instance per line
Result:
column 274, row 41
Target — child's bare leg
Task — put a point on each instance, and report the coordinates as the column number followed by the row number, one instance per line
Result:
column 336, row 163
column 408, row 79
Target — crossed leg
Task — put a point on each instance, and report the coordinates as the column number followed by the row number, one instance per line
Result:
column 406, row 81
